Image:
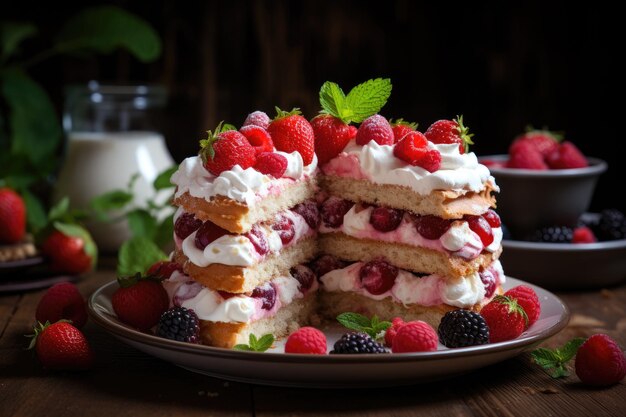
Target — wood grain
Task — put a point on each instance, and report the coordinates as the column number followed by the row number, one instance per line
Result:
column 126, row 382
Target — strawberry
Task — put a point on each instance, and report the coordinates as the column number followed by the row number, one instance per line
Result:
column 525, row 156
column 566, row 156
column 12, row 216
column 450, row 131
column 543, row 141
column 400, row 128
column 61, row 346
column 70, row 254
column 62, row 301
column 259, row 138
column 163, row 269
column 375, row 128
column 413, row 149
column 331, row 136
column 224, row 149
column 139, row 302
column 583, row 234
column 505, row 317
column 292, row 132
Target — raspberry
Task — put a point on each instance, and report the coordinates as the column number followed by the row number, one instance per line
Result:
column 207, row 233
column 355, row 342
column 415, row 336
column 283, row 225
column 310, row 212
column 460, row 328
column 326, row 263
column 600, row 361
column 259, row 138
column 505, row 317
column 163, row 269
column 553, row 234
column 481, row 227
column 271, row 163
column 385, row 219
column 333, row 211
column 258, row 240
column 489, row 281
column 186, row 224
column 612, row 225
column 378, row 277
column 304, row 275
column 225, row 150
column 583, row 234
column 401, row 128
column 527, row 298
column 492, row 218
column 391, row 332
column 179, row 323
column 526, row 156
column 62, row 301
column 375, row 128
column 257, row 118
column 566, row 156
column 431, row 227
column 412, row 149
column 306, row 340
column 267, row 294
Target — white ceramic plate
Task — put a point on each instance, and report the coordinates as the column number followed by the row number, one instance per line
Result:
column 275, row 367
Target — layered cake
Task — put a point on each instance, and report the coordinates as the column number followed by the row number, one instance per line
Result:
column 378, row 220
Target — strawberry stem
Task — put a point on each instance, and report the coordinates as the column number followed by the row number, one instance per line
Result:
column 466, row 136
column 280, row 114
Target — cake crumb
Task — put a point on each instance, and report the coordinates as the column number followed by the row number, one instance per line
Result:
column 528, row 390
column 549, row 390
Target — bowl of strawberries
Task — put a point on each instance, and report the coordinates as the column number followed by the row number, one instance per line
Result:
column 544, row 180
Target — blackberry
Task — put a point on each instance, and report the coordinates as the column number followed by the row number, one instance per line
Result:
column 612, row 225
column 459, row 328
column 554, row 234
column 355, row 342
column 179, row 323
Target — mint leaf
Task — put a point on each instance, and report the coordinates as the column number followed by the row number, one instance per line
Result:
column 164, row 231
column 113, row 200
column 555, row 360
column 12, row 34
column 35, row 212
column 60, row 209
column 368, row 98
column 163, row 180
column 137, row 255
column 333, row 99
column 256, row 345
column 75, row 230
column 355, row 321
column 142, row 223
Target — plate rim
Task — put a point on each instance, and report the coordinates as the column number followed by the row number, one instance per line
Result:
column 126, row 332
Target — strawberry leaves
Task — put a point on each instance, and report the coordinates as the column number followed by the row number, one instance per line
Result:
column 206, row 145
column 373, row 327
column 257, row 345
column 362, row 101
column 464, row 134
column 555, row 360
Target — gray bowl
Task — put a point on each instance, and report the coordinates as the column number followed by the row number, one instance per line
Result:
column 531, row 199
column 566, row 266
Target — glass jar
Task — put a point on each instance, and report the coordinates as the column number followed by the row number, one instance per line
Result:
column 112, row 136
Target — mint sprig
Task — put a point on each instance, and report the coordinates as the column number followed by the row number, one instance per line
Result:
column 257, row 345
column 554, row 360
column 363, row 101
column 355, row 321
column 137, row 255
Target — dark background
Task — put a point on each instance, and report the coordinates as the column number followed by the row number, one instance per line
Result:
column 503, row 66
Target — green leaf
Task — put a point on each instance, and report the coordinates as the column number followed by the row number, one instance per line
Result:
column 256, row 345
column 226, row 127
column 103, row 29
column 241, row 347
column 568, row 351
column 75, row 230
column 112, row 200
column 373, row 327
column 164, row 231
column 333, row 99
column 60, row 209
column 555, row 360
column 137, row 255
column 12, row 34
column 35, row 213
column 162, row 181
column 142, row 223
column 368, row 98
column 35, row 129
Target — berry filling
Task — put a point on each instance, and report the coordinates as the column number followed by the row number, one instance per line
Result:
column 207, row 233
column 285, row 228
column 481, row 227
column 258, row 240
column 309, row 211
column 431, row 227
column 304, row 275
column 186, row 224
column 326, row 263
column 267, row 294
column 386, row 219
column 333, row 211
column 378, row 277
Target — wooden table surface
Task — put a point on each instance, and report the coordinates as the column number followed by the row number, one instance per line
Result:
column 126, row 382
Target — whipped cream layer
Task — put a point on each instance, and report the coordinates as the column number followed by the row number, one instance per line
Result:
column 459, row 240
column 243, row 185
column 376, row 163
column 428, row 290
column 238, row 250
column 210, row 305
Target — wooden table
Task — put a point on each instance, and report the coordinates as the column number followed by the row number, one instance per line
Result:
column 126, row 382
